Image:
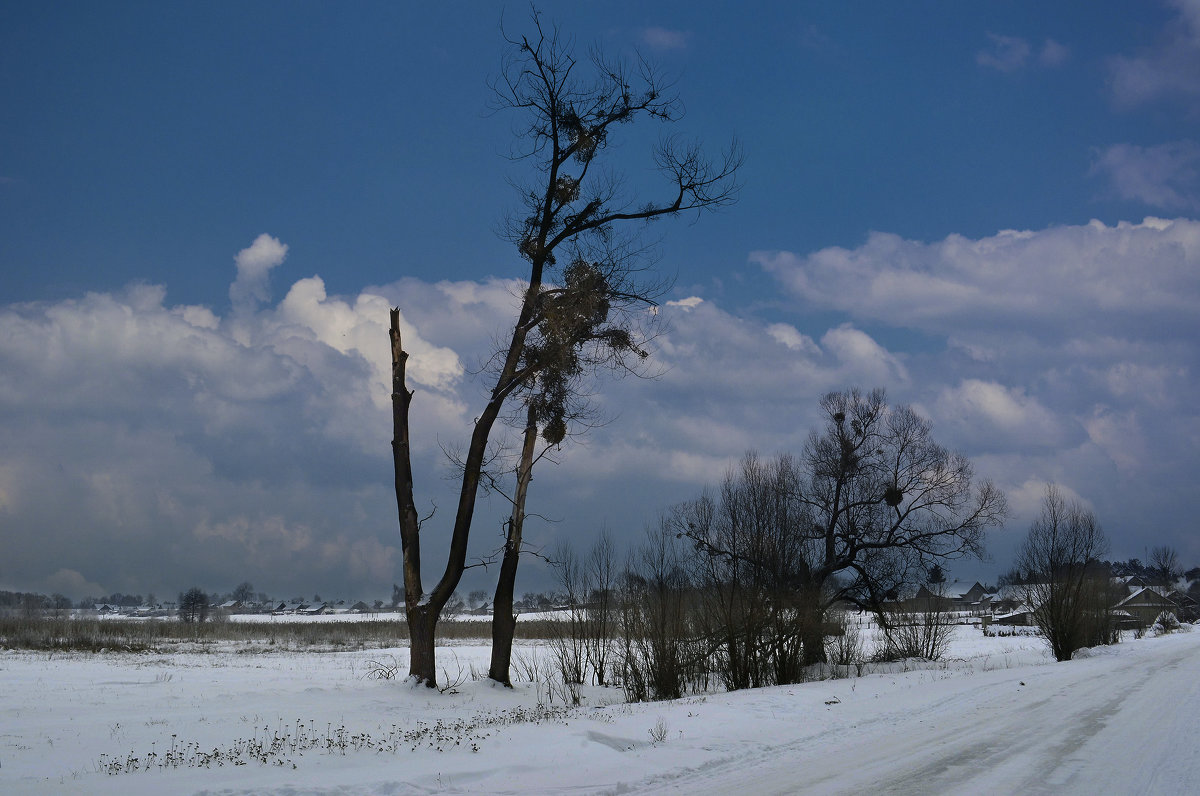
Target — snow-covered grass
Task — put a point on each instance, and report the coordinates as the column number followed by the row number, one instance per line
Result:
column 995, row 715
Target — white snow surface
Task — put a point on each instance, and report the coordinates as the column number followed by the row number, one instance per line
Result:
column 998, row 716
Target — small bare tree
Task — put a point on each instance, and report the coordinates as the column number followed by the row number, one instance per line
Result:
column 1065, row 587
column 193, row 605
column 658, row 656
column 1164, row 563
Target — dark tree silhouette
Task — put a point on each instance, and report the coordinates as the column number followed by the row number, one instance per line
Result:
column 1164, row 563
column 244, row 593
column 872, row 505
column 573, row 315
column 1065, row 585
column 193, row 605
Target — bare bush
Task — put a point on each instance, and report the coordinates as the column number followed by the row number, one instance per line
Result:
column 844, row 646
column 923, row 632
column 659, row 654
column 1067, row 589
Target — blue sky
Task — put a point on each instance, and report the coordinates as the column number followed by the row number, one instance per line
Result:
column 917, row 213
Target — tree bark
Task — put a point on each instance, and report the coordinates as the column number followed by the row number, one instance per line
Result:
column 422, row 629
column 504, row 622
column 422, row 616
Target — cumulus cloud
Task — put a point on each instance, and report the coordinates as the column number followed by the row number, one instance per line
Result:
column 1167, row 70
column 142, row 437
column 991, row 416
column 1067, row 354
column 791, row 337
column 1016, row 279
column 155, row 439
column 254, row 264
column 862, row 354
column 1165, row 176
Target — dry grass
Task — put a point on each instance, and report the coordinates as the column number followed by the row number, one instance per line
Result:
column 89, row 634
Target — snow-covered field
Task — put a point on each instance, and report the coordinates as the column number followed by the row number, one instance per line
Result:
column 998, row 716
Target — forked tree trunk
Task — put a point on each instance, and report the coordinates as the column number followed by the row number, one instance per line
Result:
column 504, row 622
column 422, row 629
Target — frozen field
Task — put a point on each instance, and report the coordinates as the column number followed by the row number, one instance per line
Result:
column 997, row 717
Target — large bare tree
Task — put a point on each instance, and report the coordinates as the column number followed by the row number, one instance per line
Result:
column 870, row 506
column 574, row 315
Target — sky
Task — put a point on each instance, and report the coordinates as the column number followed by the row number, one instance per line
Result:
column 206, row 210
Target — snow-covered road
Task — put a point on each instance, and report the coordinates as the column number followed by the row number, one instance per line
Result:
column 1126, row 724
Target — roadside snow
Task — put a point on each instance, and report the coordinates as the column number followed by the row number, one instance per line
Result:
column 998, row 716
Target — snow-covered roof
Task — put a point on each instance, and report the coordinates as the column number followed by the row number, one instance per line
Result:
column 1146, row 596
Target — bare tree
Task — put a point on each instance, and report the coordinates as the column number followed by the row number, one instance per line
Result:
column 876, row 502
column 748, row 570
column 1164, row 563
column 244, row 593
column 193, row 605
column 658, row 655
column 573, row 209
column 1065, row 587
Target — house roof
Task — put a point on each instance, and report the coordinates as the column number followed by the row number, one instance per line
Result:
column 1146, row 596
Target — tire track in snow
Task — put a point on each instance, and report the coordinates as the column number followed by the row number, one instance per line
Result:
column 1080, row 736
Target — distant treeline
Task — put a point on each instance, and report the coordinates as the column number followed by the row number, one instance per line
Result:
column 33, row 601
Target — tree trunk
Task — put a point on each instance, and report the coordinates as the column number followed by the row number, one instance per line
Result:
column 814, row 645
column 422, row 616
column 812, row 634
column 422, row 627
column 504, row 622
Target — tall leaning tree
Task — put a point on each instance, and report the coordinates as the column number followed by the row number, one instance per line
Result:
column 573, row 315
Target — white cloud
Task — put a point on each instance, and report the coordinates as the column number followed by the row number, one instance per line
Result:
column 1168, row 70
column 1067, row 354
column 1081, row 275
column 1006, row 53
column 791, row 337
column 1011, row 53
column 1121, row 437
column 254, row 264
column 658, row 38
column 156, row 441
column 862, row 355
column 1053, row 53
column 1166, row 176
column 143, row 437
column 992, row 417
column 362, row 329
